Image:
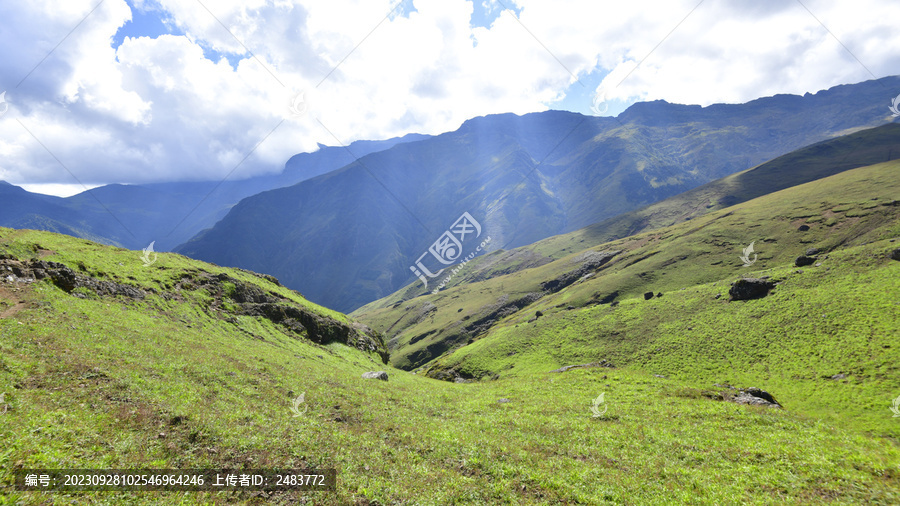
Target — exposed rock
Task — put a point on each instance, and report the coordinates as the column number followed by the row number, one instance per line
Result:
column 658, row 294
column 607, row 299
column 750, row 288
column 66, row 279
column 838, row 376
column 318, row 328
column 602, row 363
column 895, row 255
column 659, row 376
column 375, row 375
column 812, row 251
column 755, row 397
column 803, row 261
column 538, row 314
column 803, row 228
column 591, row 262
column 503, row 401
column 648, row 295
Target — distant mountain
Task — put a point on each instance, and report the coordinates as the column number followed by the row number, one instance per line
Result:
column 820, row 160
column 132, row 216
column 350, row 236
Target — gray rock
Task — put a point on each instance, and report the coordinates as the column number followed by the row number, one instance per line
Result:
column 895, row 255
column 503, row 401
column 812, row 251
column 756, row 397
column 839, row 376
column 602, row 363
column 375, row 375
column 803, row 228
column 648, row 295
column 803, row 261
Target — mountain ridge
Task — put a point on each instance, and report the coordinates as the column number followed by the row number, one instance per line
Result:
column 528, row 177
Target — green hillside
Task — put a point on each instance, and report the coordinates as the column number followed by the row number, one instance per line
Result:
column 186, row 377
column 836, row 317
column 106, row 363
column 846, row 209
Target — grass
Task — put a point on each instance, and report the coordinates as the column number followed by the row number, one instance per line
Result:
column 113, row 383
column 700, row 251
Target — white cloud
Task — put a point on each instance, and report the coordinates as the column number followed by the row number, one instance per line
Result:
column 158, row 109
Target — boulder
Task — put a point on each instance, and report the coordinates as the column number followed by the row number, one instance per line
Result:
column 803, row 228
column 648, row 295
column 756, row 397
column 812, row 251
column 375, row 375
column 803, row 261
column 895, row 255
column 602, row 363
column 750, row 288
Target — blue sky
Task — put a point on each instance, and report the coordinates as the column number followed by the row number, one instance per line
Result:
column 157, row 90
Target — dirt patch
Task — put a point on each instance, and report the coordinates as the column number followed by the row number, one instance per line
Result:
column 11, row 302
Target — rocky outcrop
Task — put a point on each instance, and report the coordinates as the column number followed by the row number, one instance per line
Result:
column 754, row 397
column 803, row 261
column 65, row 278
column 750, row 288
column 602, row 363
column 591, row 262
column 250, row 300
column 380, row 375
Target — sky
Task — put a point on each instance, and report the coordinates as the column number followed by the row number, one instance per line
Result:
column 141, row 91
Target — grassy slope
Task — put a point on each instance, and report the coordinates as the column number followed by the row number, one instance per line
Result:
column 842, row 210
column 110, row 382
column 840, row 317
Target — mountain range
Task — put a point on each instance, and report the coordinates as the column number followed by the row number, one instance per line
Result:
column 133, row 216
column 350, row 236
column 346, row 226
